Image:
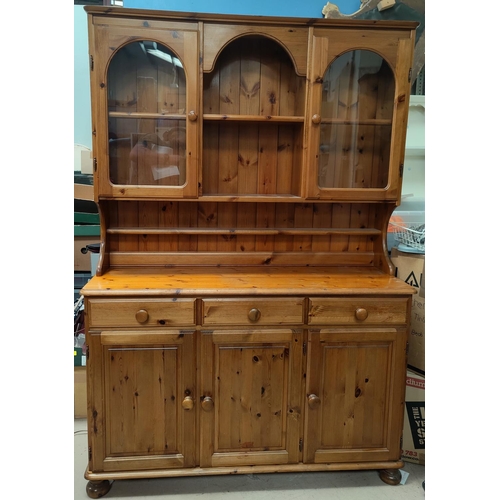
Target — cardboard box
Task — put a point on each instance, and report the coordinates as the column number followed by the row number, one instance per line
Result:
column 86, row 229
column 80, row 392
column 84, row 191
column 414, row 423
column 411, row 269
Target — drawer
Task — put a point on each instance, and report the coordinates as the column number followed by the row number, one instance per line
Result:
column 135, row 313
column 355, row 311
column 253, row 311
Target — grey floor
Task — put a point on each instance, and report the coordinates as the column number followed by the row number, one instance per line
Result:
column 353, row 485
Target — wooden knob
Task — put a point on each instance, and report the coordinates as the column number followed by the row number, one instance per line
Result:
column 207, row 403
column 188, row 403
column 192, row 116
column 361, row 314
column 313, row 401
column 142, row 316
column 254, row 315
column 316, row 119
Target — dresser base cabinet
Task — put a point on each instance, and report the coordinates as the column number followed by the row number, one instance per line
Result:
column 244, row 316
column 232, row 383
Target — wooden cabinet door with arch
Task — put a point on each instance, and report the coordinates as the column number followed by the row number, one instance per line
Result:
column 145, row 108
column 357, row 113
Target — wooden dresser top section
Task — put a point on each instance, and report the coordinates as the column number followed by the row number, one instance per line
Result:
column 245, row 281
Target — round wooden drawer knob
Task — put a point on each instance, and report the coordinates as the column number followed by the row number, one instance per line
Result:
column 254, row 315
column 313, row 401
column 316, row 119
column 361, row 314
column 192, row 116
column 142, row 316
column 207, row 404
column 188, row 403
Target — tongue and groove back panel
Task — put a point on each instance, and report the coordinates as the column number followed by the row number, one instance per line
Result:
column 160, row 232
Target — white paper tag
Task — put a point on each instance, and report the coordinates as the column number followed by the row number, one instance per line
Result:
column 404, row 476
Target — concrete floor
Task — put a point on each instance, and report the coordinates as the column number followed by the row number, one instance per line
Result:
column 353, row 485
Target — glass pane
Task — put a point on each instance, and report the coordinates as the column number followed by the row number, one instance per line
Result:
column 147, row 116
column 356, row 119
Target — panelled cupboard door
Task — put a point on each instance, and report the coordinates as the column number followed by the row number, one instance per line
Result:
column 144, row 415
column 354, row 395
column 145, row 108
column 357, row 115
column 250, row 400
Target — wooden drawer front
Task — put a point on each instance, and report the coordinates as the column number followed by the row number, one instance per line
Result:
column 253, row 311
column 352, row 311
column 137, row 313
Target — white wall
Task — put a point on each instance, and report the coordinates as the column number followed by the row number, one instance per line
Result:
column 413, row 193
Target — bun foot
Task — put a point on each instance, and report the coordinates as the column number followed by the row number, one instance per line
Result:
column 390, row 476
column 97, row 489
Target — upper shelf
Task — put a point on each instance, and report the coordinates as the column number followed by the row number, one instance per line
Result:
column 137, row 115
column 253, row 118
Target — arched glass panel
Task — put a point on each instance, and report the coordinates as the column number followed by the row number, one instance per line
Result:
column 356, row 118
column 147, row 116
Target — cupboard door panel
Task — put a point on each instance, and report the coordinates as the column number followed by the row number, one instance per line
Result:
column 258, row 413
column 250, row 397
column 354, row 396
column 147, row 386
column 132, row 400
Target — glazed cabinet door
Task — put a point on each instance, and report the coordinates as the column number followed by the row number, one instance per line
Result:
column 250, row 399
column 357, row 115
column 354, row 395
column 142, row 400
column 145, row 108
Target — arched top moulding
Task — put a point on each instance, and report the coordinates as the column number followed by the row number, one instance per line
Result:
column 292, row 39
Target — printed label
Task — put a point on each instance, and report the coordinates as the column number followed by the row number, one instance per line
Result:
column 416, row 416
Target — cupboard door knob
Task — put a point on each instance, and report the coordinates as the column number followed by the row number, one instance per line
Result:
column 188, row 403
column 207, row 403
column 142, row 316
column 316, row 119
column 313, row 401
column 254, row 315
column 192, row 116
column 361, row 313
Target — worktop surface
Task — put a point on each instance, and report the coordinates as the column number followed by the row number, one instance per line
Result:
column 245, row 281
